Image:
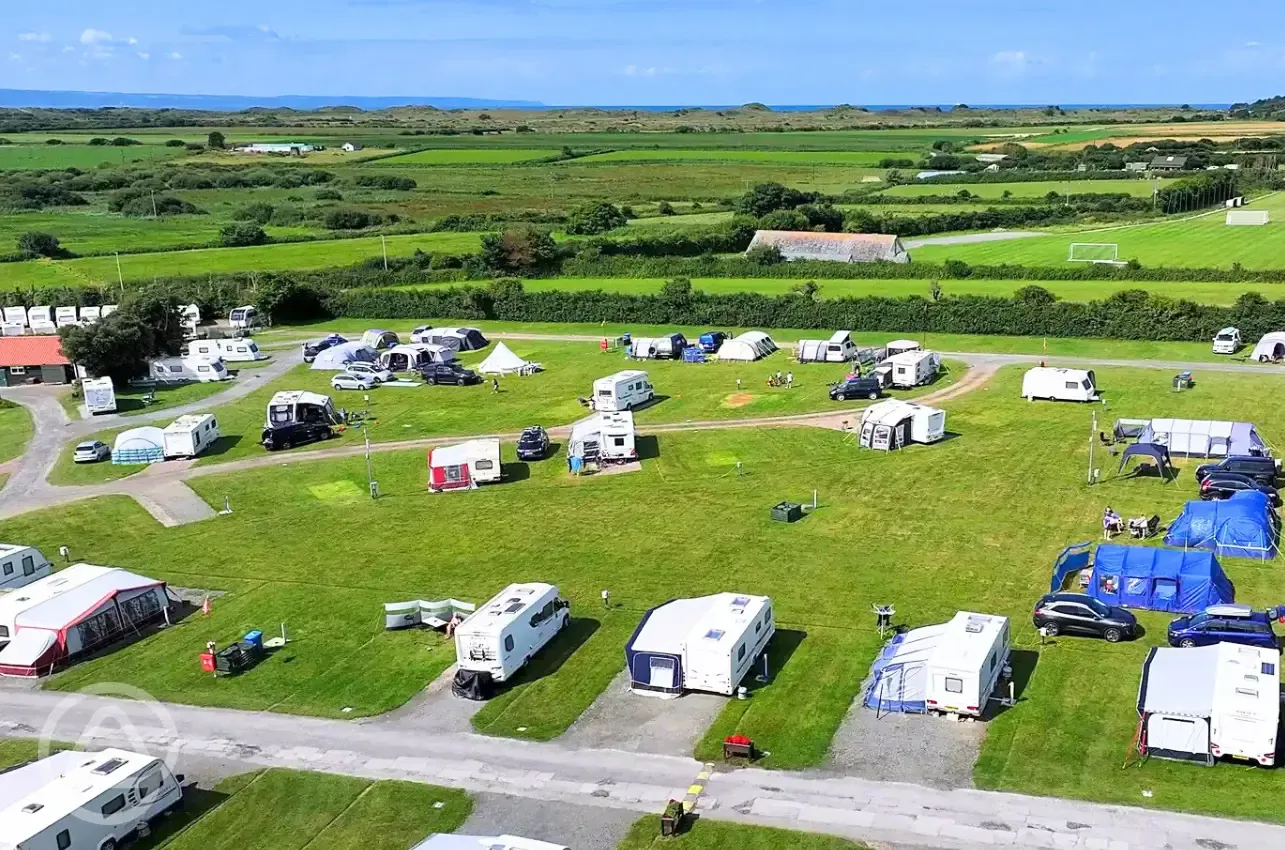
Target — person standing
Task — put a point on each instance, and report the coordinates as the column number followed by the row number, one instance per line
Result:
column 789, row 380
column 495, row 385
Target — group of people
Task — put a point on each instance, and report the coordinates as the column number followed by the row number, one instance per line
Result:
column 779, row 380
column 1113, row 523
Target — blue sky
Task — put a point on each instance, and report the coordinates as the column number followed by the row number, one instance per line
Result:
column 653, row 51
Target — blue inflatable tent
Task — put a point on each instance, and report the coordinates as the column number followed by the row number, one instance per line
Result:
column 1243, row 526
column 1173, row 580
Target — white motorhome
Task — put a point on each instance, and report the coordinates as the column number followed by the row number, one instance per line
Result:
column 464, row 466
column 892, row 424
column 622, row 391
column 21, row 565
column 244, row 317
column 499, row 638
column 705, row 644
column 1227, row 341
column 73, row 799
column 15, row 316
column 606, row 437
column 407, row 358
column 839, row 348
column 243, row 350
column 187, row 369
column 190, row 316
column 89, row 315
column 1210, row 702
column 1059, row 384
column 65, row 317
column 911, row 368
column 190, row 435
column 100, row 395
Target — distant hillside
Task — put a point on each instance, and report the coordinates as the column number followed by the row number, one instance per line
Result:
column 1268, row 107
column 35, row 99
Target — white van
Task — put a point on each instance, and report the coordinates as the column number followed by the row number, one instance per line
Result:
column 244, row 317
column 1059, row 384
column 187, row 369
column 911, row 368
column 190, row 435
column 20, row 566
column 15, row 315
column 622, row 391
column 839, row 348
column 242, row 350
column 1228, row 341
column 100, row 395
column 500, row 637
column 190, row 316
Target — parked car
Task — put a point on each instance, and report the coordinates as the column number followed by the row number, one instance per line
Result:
column 91, row 451
column 448, row 373
column 1223, row 485
column 353, row 381
column 712, row 341
column 1081, row 614
column 312, row 349
column 1262, row 469
column 294, row 434
column 533, row 444
column 866, row 387
column 1224, row 624
column 374, row 370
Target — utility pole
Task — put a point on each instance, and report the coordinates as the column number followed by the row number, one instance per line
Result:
column 371, row 483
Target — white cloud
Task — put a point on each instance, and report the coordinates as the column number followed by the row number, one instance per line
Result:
column 69, row 49
column 15, row 57
column 93, row 36
column 144, row 56
column 176, row 56
column 1011, row 58
column 132, row 41
column 40, row 37
column 635, row 71
column 1252, row 44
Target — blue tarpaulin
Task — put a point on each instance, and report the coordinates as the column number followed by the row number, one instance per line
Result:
column 1172, row 580
column 1243, row 526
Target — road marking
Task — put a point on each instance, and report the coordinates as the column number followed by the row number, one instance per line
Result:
column 697, row 788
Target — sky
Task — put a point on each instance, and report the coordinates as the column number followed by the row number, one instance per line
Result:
column 654, row 52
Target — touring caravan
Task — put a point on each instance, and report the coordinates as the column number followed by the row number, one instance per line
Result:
column 839, row 348
column 21, row 565
column 407, row 358
column 100, row 395
column 89, row 315
column 298, row 406
column 1210, row 702
column 74, row 799
column 901, row 346
column 604, row 438
column 242, row 318
column 108, row 309
column 189, row 435
column 464, row 466
column 952, row 668
column 243, row 350
column 622, row 391
column 187, row 369
column 190, row 317
column 704, row 644
column 379, row 339
column 911, row 368
column 12, row 329
column 41, row 320
column 15, row 316
column 668, row 347
column 892, row 424
column 500, row 637
column 65, row 317
column 1059, row 384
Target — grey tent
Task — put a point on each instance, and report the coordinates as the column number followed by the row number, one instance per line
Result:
column 1156, row 453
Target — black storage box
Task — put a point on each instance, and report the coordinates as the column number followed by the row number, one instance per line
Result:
column 787, row 512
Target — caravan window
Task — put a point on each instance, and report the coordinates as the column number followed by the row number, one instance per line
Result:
column 28, row 565
column 202, row 368
column 4, row 631
column 618, row 441
column 149, row 784
column 954, row 686
column 740, row 652
column 64, row 839
column 767, row 616
column 114, row 805
column 508, row 643
column 485, row 464
column 1071, row 385
column 8, row 568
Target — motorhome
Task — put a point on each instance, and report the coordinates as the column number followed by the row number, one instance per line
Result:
column 15, row 316
column 604, row 438
column 499, row 638
column 187, row 369
column 1210, row 702
column 244, row 317
column 1059, row 384
column 243, row 350
column 839, row 348
column 622, row 391
column 705, row 644
column 464, row 466
column 1227, row 341
column 21, row 565
column 189, row 435
column 65, row 317
column 912, row 368
column 408, row 358
column 89, row 315
column 190, row 318
column 74, row 799
column 892, row 424
column 100, row 395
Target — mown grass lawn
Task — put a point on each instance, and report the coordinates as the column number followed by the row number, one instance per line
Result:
column 467, row 156
column 1037, row 189
column 708, row 834
column 15, row 430
column 48, row 157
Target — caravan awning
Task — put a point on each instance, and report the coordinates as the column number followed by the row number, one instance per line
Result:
column 1179, row 681
column 29, row 650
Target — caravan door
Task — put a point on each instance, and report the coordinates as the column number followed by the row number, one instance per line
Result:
column 1178, row 736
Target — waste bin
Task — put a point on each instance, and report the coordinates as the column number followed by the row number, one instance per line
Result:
column 1183, row 381
column 254, row 639
column 787, row 512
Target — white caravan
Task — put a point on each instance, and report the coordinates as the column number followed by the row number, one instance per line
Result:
column 96, row 801
column 244, row 317
column 1227, row 341
column 1210, row 702
column 100, row 395
column 911, row 368
column 12, row 329
column 1059, row 384
column 65, row 317
column 622, row 391
column 705, row 644
column 967, row 663
column 839, row 348
column 190, row 435
column 15, row 316
column 606, row 437
column 243, row 350
column 108, row 309
column 892, row 424
column 464, row 466
column 89, row 315
column 21, row 565
column 187, row 369
column 44, row 315
column 500, row 637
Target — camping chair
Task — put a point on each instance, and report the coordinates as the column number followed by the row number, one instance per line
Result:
column 1153, row 526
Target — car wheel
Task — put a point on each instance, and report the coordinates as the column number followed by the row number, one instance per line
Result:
column 1186, row 643
column 873, row 396
column 1051, row 629
column 109, row 844
column 285, row 444
column 841, row 397
column 432, row 382
column 1112, row 635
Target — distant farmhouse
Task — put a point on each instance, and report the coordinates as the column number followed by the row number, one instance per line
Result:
column 835, row 247
column 289, row 148
column 352, row 147
column 1169, row 163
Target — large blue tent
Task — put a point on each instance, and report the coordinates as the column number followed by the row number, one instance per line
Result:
column 1148, row 577
column 1243, row 526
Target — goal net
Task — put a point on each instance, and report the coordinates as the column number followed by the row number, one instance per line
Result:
column 1243, row 218
column 1094, row 252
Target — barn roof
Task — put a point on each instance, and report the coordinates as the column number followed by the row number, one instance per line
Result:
column 847, row 247
column 32, row 351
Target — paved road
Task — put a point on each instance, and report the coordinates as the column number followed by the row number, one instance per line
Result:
column 861, row 809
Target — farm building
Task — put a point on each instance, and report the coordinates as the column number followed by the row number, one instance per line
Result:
column 24, row 359
column 834, row 247
column 295, row 148
column 352, row 147
column 76, row 610
column 1168, row 163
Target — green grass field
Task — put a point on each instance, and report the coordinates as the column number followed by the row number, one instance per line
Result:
column 42, row 156
column 467, row 156
column 862, row 158
column 15, row 430
column 708, row 834
column 1137, row 188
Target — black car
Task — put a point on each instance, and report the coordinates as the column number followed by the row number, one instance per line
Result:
column 1081, row 614
column 312, row 349
column 533, row 444
column 448, row 373
column 868, row 387
column 1224, row 485
column 1262, row 469
column 294, row 434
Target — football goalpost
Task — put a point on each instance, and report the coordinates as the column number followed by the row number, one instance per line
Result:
column 1243, row 218
column 1095, row 252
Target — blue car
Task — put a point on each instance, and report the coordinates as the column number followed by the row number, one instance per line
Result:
column 1224, row 624
column 711, row 342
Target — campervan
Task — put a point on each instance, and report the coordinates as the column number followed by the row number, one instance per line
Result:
column 243, row 350
column 839, row 348
column 464, row 466
column 1059, row 384
column 74, row 799
column 187, row 369
column 15, row 316
column 100, row 395
column 21, row 565
column 622, row 391
column 65, row 317
column 379, row 340
column 245, row 317
column 500, row 637
column 89, row 315
column 190, row 435
column 606, row 437
column 705, row 644
column 912, row 368
column 1227, row 341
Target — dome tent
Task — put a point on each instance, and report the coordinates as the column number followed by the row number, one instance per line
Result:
column 139, row 445
column 1243, row 526
column 335, row 358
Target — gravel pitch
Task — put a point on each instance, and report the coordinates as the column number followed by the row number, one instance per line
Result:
column 580, row 827
column 622, row 720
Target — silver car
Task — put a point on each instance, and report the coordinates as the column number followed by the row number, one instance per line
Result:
column 91, row 451
column 352, row 381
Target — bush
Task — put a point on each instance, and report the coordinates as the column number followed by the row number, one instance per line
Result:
column 664, row 208
column 784, row 220
column 36, row 244
column 764, row 255
column 350, row 218
column 175, row 143
column 122, row 142
column 329, row 195
column 259, row 213
column 216, row 141
column 519, row 251
column 241, row 234
column 390, row 182
column 97, row 142
column 592, row 219
column 770, row 197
